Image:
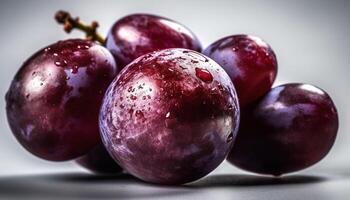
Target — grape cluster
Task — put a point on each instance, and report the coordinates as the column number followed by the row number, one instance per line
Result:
column 149, row 100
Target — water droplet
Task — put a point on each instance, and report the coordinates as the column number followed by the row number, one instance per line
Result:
column 139, row 114
column 41, row 83
column 229, row 138
column 74, row 69
column 167, row 115
column 55, row 54
column 83, row 46
column 62, row 63
column 133, row 97
column 204, row 75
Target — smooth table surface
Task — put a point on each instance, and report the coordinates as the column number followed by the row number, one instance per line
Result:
column 304, row 186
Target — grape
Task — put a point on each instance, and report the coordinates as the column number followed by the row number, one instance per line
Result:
column 291, row 128
column 249, row 61
column 54, row 99
column 99, row 161
column 138, row 34
column 170, row 117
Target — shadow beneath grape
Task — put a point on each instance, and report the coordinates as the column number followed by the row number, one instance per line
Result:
column 82, row 186
column 242, row 180
column 91, row 178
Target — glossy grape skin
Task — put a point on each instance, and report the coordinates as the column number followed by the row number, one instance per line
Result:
column 99, row 161
column 138, row 34
column 54, row 99
column 170, row 117
column 250, row 63
column 291, row 128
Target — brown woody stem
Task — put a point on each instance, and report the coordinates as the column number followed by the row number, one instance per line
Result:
column 69, row 23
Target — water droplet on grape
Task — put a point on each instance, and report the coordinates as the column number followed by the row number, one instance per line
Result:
column 74, row 69
column 204, row 75
column 133, row 97
column 61, row 63
column 139, row 114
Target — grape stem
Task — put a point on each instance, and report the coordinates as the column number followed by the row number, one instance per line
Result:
column 69, row 23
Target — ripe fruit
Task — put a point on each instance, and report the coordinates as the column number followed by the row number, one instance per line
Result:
column 250, row 63
column 99, row 161
column 54, row 99
column 138, row 34
column 293, row 127
column 170, row 117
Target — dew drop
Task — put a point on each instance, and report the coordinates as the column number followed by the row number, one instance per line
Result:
column 139, row 114
column 74, row 69
column 133, row 97
column 62, row 63
column 204, row 75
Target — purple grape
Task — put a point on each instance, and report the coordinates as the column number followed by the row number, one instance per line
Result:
column 138, row 34
column 54, row 99
column 170, row 117
column 291, row 128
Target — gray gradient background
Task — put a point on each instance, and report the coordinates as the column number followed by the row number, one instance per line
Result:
column 310, row 38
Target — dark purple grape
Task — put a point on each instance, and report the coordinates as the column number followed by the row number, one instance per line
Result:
column 250, row 63
column 138, row 34
column 170, row 117
column 293, row 127
column 54, row 99
column 99, row 161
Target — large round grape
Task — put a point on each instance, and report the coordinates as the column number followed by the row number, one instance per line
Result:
column 170, row 117
column 54, row 99
column 249, row 61
column 135, row 35
column 291, row 128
